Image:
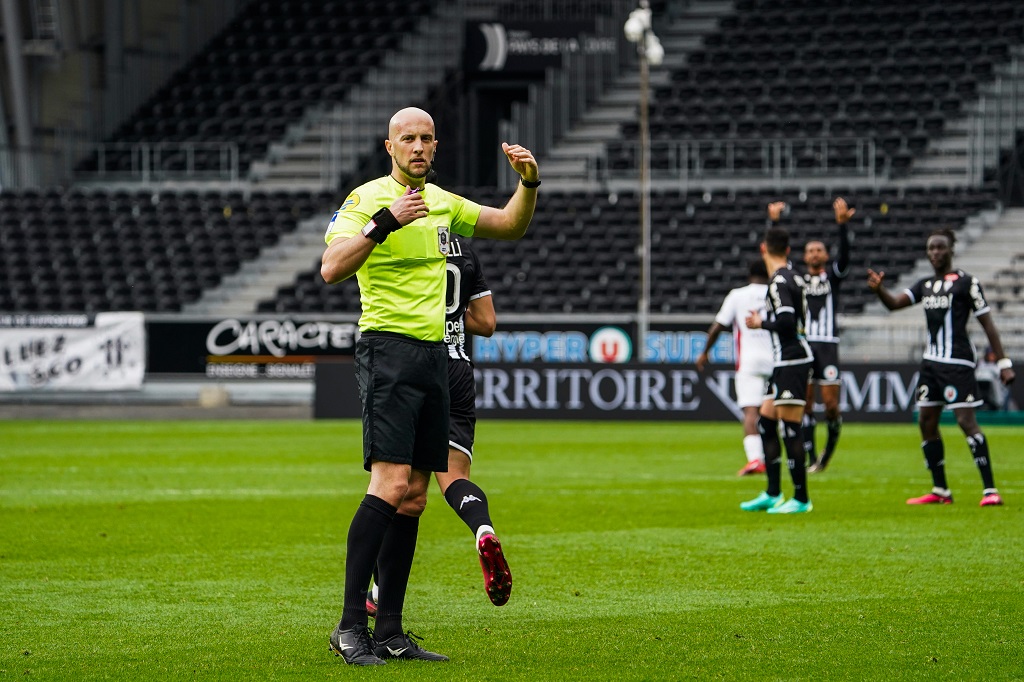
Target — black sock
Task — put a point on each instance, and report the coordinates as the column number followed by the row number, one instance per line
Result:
column 808, row 425
column 793, row 439
column 772, row 454
column 979, row 448
column 835, row 427
column 365, row 535
column 935, row 460
column 394, row 563
column 470, row 503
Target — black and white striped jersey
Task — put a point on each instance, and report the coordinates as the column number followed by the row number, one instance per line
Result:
column 949, row 301
column 787, row 309
column 465, row 283
column 822, row 293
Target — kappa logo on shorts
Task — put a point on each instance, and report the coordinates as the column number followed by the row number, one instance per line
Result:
column 786, row 395
column 949, row 393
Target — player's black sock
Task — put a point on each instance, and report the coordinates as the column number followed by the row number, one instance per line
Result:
column 979, row 448
column 394, row 563
column 470, row 503
column 365, row 535
column 835, row 427
column 935, row 458
column 768, row 429
column 793, row 439
column 808, row 425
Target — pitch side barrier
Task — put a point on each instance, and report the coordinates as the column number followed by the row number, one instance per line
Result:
column 589, row 372
column 629, row 391
column 526, row 370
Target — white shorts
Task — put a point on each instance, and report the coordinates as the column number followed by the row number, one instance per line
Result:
column 751, row 388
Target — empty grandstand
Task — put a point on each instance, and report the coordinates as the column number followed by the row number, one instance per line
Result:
column 187, row 164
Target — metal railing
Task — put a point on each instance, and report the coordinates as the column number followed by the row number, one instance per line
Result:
column 999, row 114
column 685, row 161
column 143, row 162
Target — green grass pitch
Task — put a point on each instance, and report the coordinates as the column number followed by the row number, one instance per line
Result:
column 215, row 550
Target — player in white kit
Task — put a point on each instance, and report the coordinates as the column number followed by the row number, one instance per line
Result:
column 753, row 358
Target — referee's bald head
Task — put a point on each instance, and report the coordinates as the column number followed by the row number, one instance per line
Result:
column 408, row 116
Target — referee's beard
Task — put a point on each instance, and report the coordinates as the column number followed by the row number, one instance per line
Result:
column 428, row 175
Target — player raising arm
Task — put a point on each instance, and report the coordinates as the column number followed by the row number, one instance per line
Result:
column 947, row 380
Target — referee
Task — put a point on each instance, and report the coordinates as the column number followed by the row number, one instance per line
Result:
column 394, row 234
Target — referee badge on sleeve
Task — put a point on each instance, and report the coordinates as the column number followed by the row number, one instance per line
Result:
column 443, row 243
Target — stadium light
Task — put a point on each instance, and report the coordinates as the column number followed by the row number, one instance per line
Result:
column 639, row 32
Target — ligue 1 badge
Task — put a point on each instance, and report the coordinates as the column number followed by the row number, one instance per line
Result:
column 442, row 240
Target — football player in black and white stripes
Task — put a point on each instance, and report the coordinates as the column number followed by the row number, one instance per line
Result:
column 949, row 297
column 823, row 277
column 783, row 404
column 469, row 309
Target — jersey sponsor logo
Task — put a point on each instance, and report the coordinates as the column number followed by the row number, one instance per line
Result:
column 949, row 393
column 443, row 241
column 610, row 344
column 937, row 302
column 818, row 286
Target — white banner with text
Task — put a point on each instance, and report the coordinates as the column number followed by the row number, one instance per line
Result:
column 41, row 352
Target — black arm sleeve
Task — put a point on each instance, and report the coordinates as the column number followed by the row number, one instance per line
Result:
column 841, row 265
column 784, row 325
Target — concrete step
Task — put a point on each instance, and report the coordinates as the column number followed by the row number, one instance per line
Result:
column 565, row 166
column 614, row 114
column 576, row 149
column 591, row 131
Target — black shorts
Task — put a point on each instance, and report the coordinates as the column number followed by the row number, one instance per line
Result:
column 462, row 420
column 789, row 384
column 403, row 386
column 825, row 365
column 948, row 385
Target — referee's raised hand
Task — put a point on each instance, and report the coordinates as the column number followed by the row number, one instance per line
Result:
column 522, row 161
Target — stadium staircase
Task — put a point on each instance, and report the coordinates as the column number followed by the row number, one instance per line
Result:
column 333, row 142
column 569, row 164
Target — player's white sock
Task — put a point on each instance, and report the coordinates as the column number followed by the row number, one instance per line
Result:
column 753, row 448
column 482, row 531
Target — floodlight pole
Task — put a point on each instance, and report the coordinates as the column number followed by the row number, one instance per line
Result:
column 638, row 30
column 643, row 309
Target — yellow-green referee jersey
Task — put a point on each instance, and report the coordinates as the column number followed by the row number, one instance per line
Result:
column 402, row 284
